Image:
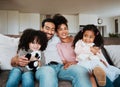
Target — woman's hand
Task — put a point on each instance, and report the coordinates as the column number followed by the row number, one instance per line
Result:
column 67, row 64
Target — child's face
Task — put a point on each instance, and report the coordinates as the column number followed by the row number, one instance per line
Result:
column 62, row 32
column 88, row 36
column 34, row 46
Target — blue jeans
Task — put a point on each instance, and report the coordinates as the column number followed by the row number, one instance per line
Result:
column 16, row 76
column 77, row 74
column 109, row 83
column 48, row 75
column 117, row 82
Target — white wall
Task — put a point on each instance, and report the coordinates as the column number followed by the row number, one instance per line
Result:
column 29, row 20
column 73, row 23
column 9, row 22
column 3, row 22
column 110, row 25
column 108, row 22
column 14, row 22
column 85, row 19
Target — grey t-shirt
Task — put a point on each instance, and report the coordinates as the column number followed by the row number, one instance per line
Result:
column 51, row 53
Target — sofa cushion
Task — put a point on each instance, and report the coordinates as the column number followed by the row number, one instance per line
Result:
column 106, row 55
column 114, row 53
column 8, row 48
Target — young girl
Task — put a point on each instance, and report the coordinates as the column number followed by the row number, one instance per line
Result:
column 30, row 41
column 87, row 44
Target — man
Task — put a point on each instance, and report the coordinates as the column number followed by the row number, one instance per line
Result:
column 47, row 75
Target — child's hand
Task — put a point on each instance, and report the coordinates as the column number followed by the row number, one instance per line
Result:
column 95, row 50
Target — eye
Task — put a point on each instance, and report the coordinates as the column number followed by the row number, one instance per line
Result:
column 66, row 28
column 53, row 29
column 46, row 27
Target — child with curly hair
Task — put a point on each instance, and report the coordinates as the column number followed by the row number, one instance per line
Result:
column 30, row 41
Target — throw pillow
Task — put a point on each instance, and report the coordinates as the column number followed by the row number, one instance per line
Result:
column 8, row 48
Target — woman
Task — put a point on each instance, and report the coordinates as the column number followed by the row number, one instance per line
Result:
column 69, row 71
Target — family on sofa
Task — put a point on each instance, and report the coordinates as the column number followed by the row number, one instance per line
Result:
column 55, row 67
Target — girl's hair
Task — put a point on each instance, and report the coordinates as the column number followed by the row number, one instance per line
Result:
column 59, row 19
column 29, row 35
column 98, row 38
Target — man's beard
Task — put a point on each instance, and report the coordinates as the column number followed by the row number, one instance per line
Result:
column 49, row 36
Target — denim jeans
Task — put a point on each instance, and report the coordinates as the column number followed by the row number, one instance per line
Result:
column 16, row 76
column 117, row 82
column 109, row 83
column 48, row 75
column 77, row 74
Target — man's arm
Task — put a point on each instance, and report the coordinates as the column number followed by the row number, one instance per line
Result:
column 22, row 61
column 14, row 61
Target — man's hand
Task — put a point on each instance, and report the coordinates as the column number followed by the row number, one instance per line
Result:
column 103, row 62
column 22, row 61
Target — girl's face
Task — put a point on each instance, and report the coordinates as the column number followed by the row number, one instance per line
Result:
column 88, row 36
column 34, row 46
column 62, row 31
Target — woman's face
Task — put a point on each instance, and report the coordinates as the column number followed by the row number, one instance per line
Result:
column 62, row 31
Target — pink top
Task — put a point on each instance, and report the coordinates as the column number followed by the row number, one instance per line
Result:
column 66, row 51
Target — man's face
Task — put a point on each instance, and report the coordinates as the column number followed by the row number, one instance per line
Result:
column 49, row 29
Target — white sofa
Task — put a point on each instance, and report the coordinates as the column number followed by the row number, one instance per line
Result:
column 8, row 47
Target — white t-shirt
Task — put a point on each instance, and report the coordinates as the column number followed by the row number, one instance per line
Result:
column 51, row 53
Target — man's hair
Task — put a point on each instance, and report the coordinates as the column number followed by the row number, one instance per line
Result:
column 47, row 20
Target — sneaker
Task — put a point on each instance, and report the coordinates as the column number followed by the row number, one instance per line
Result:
column 100, row 76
